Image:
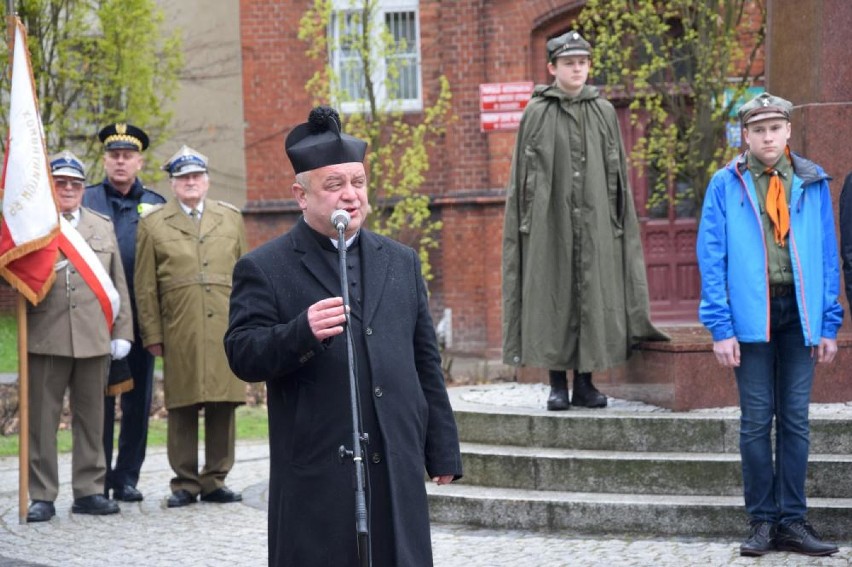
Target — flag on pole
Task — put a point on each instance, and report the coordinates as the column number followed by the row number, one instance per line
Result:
column 30, row 222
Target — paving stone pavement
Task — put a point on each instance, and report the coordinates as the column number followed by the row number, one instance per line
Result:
column 149, row 534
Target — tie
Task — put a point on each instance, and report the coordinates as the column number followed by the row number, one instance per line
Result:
column 196, row 216
column 68, row 216
column 776, row 206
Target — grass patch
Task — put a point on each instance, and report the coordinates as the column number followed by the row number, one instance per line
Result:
column 251, row 424
column 8, row 343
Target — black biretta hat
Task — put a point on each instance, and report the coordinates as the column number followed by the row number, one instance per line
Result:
column 319, row 142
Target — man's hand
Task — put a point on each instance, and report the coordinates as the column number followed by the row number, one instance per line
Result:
column 326, row 317
column 827, row 350
column 443, row 479
column 727, row 352
column 155, row 349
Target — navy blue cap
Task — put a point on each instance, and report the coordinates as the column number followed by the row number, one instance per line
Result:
column 67, row 164
column 123, row 136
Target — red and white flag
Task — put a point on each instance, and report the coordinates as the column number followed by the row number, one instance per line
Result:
column 30, row 223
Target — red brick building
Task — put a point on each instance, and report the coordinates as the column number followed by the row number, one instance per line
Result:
column 472, row 43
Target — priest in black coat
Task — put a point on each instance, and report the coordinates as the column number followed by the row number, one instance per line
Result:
column 287, row 328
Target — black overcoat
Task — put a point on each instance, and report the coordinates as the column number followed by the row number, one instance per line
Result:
column 403, row 398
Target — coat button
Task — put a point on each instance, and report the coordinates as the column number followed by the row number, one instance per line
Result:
column 209, row 313
column 204, row 263
column 378, row 391
column 377, row 458
column 207, row 288
column 369, row 331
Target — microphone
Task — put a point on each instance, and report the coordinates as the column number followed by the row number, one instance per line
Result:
column 340, row 219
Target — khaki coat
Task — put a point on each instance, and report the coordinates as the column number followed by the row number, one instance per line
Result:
column 183, row 284
column 575, row 294
column 69, row 321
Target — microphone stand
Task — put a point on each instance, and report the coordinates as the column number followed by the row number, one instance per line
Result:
column 356, row 454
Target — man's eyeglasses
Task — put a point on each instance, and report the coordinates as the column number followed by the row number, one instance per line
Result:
column 62, row 183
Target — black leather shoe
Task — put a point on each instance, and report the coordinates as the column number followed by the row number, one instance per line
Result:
column 558, row 400
column 222, row 495
column 801, row 537
column 180, row 498
column 126, row 493
column 585, row 395
column 40, row 511
column 761, row 540
column 96, row 505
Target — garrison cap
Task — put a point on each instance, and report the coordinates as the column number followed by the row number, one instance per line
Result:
column 319, row 142
column 123, row 136
column 763, row 107
column 65, row 163
column 185, row 161
column 570, row 43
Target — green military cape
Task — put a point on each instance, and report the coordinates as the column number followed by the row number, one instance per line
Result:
column 545, row 249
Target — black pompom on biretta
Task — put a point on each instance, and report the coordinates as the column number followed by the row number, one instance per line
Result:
column 320, row 142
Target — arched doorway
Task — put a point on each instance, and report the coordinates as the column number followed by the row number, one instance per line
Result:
column 668, row 229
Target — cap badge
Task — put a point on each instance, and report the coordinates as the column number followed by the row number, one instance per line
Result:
column 121, row 128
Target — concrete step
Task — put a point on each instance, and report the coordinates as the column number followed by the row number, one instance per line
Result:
column 658, row 515
column 623, row 426
column 645, row 472
column 629, row 468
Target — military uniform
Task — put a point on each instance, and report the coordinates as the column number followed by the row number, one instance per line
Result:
column 124, row 210
column 183, row 285
column 69, row 347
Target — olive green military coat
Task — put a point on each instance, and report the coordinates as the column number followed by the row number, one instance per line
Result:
column 575, row 294
column 183, row 285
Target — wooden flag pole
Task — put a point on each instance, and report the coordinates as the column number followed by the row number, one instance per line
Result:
column 23, row 412
column 23, row 367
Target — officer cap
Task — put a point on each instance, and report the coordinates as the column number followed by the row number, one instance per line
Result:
column 763, row 107
column 319, row 142
column 570, row 43
column 185, row 161
column 123, row 136
column 65, row 163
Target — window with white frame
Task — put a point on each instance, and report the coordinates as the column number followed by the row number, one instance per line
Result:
column 396, row 69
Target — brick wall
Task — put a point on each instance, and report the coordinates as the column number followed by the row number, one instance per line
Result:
column 469, row 41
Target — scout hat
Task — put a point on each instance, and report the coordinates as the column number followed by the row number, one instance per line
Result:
column 319, row 142
column 67, row 164
column 763, row 107
column 185, row 161
column 123, row 136
column 570, row 43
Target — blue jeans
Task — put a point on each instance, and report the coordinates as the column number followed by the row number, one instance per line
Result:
column 774, row 381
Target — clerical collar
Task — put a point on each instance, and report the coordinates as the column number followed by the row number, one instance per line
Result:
column 349, row 241
column 328, row 243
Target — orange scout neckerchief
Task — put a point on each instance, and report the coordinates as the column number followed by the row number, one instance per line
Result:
column 776, row 204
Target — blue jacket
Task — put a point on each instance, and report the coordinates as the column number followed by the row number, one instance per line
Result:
column 732, row 255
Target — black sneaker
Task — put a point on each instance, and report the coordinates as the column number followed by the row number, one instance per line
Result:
column 801, row 537
column 761, row 540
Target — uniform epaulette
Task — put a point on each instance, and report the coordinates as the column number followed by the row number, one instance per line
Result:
column 229, row 206
column 146, row 209
column 98, row 214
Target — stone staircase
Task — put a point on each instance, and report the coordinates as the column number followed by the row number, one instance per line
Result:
column 627, row 469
